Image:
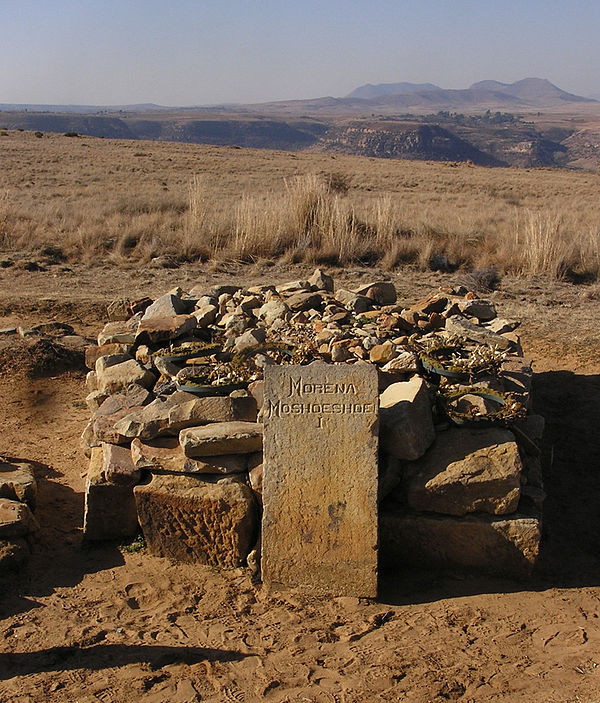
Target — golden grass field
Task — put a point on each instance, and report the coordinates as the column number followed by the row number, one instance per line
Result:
column 125, row 202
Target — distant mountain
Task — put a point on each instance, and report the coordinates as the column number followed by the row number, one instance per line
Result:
column 369, row 91
column 82, row 109
column 532, row 90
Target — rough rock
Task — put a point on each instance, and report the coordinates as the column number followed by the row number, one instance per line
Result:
column 13, row 553
column 189, row 519
column 110, row 511
column 458, row 325
column 16, row 519
column 116, row 333
column 354, row 302
column 93, row 353
column 250, row 340
column 300, row 302
column 167, row 305
column 321, row 281
column 117, row 377
column 483, row 310
column 172, row 413
column 118, row 467
column 206, row 315
column 17, row 482
column 466, row 471
column 406, row 419
column 275, row 309
column 222, row 438
column 166, row 456
column 381, row 292
column 164, row 329
column 498, row 546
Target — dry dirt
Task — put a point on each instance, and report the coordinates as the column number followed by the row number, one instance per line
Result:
column 101, row 624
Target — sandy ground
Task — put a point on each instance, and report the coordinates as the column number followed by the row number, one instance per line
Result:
column 101, row 624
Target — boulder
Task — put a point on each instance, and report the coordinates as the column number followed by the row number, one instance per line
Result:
column 168, row 415
column 166, row 456
column 17, row 482
column 206, row 315
column 222, row 438
column 109, row 511
column 406, row 429
column 186, row 518
column 483, row 543
column 300, row 302
column 466, row 471
column 275, row 309
column 250, row 340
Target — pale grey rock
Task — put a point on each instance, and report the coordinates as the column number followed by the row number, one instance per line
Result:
column 116, row 333
column 206, row 315
column 458, row 325
column 483, row 310
column 274, row 310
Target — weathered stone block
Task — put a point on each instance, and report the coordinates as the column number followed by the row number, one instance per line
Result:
column 109, row 511
column 166, row 456
column 487, row 544
column 466, row 471
column 17, row 482
column 222, row 438
column 319, row 528
column 163, row 329
column 179, row 410
column 406, row 420
column 189, row 519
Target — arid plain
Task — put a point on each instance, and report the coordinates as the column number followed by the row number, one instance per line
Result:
column 84, row 221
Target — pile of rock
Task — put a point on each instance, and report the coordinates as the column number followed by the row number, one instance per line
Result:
column 175, row 437
column 18, row 495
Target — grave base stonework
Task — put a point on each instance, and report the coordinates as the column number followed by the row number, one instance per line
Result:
column 319, row 530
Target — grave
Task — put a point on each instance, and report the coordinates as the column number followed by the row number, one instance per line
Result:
column 319, row 527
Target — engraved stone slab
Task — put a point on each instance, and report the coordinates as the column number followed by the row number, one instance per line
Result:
column 319, row 530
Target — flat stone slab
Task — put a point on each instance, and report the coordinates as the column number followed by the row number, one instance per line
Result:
column 222, row 438
column 187, row 518
column 466, row 471
column 165, row 455
column 319, row 530
column 17, row 482
column 487, row 544
column 180, row 409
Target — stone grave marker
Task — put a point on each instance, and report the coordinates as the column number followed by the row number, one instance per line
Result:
column 319, row 529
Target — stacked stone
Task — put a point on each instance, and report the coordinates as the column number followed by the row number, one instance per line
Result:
column 18, row 495
column 188, row 468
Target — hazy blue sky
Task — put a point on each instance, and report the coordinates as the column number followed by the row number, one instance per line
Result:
column 190, row 52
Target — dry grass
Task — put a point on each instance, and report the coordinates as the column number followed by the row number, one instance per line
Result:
column 99, row 200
